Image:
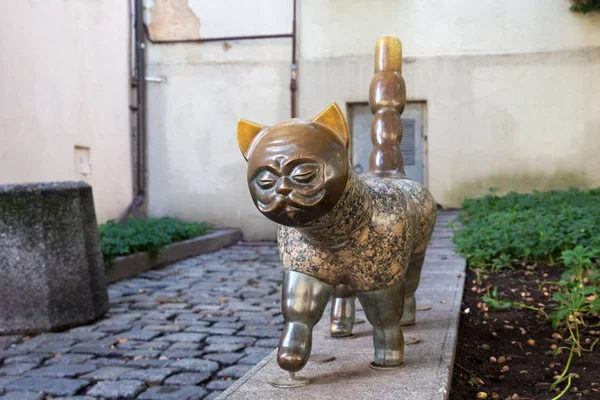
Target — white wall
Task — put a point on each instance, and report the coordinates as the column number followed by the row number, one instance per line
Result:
column 335, row 28
column 65, row 83
column 510, row 91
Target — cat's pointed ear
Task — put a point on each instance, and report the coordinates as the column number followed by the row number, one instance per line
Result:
column 333, row 118
column 246, row 132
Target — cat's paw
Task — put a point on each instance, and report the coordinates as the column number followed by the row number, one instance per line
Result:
column 409, row 316
column 294, row 347
column 341, row 328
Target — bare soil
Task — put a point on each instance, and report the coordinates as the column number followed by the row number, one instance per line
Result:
column 508, row 354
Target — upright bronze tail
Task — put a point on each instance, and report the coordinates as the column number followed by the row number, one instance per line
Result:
column 387, row 98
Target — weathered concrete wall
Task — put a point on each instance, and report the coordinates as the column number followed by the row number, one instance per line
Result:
column 64, row 98
column 50, row 260
column 512, row 121
column 510, row 92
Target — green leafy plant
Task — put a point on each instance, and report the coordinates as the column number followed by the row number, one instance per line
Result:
column 577, row 300
column 528, row 227
column 494, row 233
column 585, row 6
column 501, row 262
column 495, row 302
column 145, row 235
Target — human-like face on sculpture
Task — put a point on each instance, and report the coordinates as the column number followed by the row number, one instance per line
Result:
column 297, row 171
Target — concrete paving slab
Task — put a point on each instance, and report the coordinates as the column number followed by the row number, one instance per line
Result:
column 427, row 371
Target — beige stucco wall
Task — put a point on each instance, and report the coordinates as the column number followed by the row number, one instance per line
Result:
column 510, row 91
column 64, row 83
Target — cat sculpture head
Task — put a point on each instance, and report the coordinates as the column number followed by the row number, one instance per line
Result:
column 297, row 169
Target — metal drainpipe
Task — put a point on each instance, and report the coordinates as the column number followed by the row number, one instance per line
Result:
column 139, row 82
column 293, row 85
column 142, row 34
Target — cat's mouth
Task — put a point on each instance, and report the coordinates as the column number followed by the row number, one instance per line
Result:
column 290, row 205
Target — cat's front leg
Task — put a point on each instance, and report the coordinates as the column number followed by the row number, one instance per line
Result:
column 303, row 302
column 383, row 309
column 343, row 310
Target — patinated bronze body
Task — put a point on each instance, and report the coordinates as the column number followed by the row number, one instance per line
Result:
column 342, row 234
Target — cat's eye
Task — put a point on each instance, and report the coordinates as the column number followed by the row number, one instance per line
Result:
column 266, row 180
column 305, row 173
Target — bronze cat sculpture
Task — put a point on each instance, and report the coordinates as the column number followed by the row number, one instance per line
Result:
column 342, row 234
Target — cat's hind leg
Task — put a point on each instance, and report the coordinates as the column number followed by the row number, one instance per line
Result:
column 303, row 302
column 413, row 276
column 383, row 309
column 343, row 311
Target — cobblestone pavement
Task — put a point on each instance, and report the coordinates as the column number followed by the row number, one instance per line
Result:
column 187, row 331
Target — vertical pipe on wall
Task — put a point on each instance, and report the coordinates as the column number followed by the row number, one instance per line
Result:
column 138, row 68
column 293, row 84
column 138, row 81
column 140, row 51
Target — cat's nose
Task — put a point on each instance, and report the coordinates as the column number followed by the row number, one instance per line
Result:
column 284, row 188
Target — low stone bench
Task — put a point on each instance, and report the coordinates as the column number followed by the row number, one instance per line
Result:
column 51, row 269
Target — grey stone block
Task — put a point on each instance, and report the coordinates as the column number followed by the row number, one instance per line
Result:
column 211, row 330
column 115, row 328
column 213, row 395
column 51, row 253
column 268, row 343
column 164, row 328
column 235, row 371
column 51, row 386
column 68, row 359
column 142, row 353
column 107, row 362
column 150, row 376
column 26, row 358
column 149, row 363
column 108, row 373
column 4, row 381
column 125, row 389
column 97, row 350
column 140, row 335
column 177, row 354
column 245, row 340
column 188, row 378
column 173, row 393
column 224, row 358
column 221, row 319
column 254, row 358
column 261, row 332
column 184, row 346
column 6, row 341
column 75, row 398
column 16, row 369
column 219, row 384
column 184, row 337
column 229, row 325
column 22, row 396
column 62, row 371
column 192, row 364
column 225, row 348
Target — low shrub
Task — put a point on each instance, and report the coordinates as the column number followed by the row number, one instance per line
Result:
column 585, row 6
column 539, row 226
column 149, row 235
